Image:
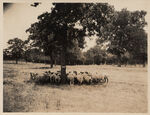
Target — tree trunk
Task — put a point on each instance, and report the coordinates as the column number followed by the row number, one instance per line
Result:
column 63, row 55
column 119, row 60
column 125, row 64
column 26, row 60
column 144, row 62
column 16, row 61
column 55, row 61
column 63, row 66
column 52, row 61
column 93, row 61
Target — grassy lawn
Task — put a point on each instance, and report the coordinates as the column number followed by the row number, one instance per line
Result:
column 125, row 92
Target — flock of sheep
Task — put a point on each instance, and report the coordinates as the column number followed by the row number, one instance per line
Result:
column 72, row 78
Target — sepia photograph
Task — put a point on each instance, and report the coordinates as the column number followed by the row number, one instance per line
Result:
column 89, row 57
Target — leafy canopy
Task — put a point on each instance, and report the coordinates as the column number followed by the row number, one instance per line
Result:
column 69, row 22
column 16, row 47
column 125, row 32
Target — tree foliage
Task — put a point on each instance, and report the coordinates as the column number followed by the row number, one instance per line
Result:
column 6, row 54
column 126, row 33
column 95, row 55
column 16, row 48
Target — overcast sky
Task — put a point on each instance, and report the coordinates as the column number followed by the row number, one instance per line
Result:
column 19, row 16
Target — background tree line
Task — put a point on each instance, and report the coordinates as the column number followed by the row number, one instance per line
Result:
column 95, row 55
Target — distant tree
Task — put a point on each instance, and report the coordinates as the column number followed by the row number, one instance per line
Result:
column 36, row 55
column 6, row 54
column 123, row 33
column 26, row 49
column 110, row 58
column 16, row 48
column 96, row 55
column 138, row 46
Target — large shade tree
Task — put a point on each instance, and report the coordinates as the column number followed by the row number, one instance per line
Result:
column 59, row 28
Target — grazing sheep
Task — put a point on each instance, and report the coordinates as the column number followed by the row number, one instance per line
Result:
column 57, row 78
column 81, row 72
column 52, row 78
column 75, row 72
column 84, row 76
column 86, row 72
column 95, row 78
column 47, row 73
column 58, row 73
column 88, row 79
column 47, row 76
column 103, row 78
column 71, row 78
column 36, row 78
column 79, row 79
column 33, row 76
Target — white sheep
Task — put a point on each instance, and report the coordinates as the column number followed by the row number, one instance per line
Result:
column 52, row 77
column 88, row 79
column 95, row 78
column 103, row 78
column 33, row 76
column 57, row 78
column 71, row 78
column 80, row 78
column 36, row 78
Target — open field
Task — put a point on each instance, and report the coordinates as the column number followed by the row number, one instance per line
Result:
column 125, row 92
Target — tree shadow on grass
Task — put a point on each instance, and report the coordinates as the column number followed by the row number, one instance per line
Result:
column 53, row 86
column 13, row 63
column 42, row 68
column 60, row 87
